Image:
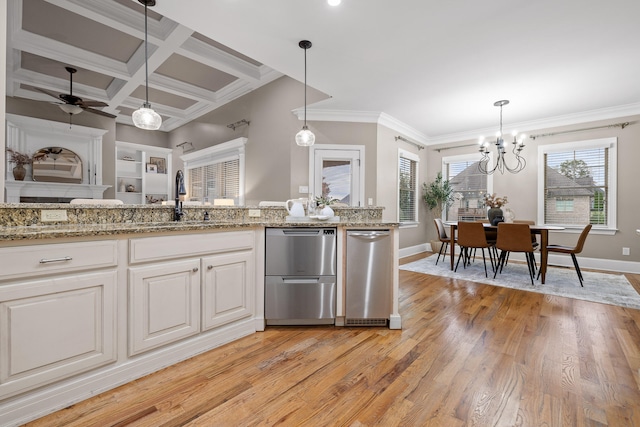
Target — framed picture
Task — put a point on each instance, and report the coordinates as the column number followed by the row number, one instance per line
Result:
column 160, row 162
column 151, row 168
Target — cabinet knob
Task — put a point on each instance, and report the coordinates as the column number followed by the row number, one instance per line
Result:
column 195, row 269
column 209, row 267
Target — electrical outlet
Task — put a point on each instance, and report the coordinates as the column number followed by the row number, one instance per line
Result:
column 370, row 201
column 303, row 189
column 254, row 213
column 626, row 251
column 52, row 215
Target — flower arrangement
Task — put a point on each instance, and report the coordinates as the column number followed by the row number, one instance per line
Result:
column 325, row 200
column 493, row 201
column 19, row 159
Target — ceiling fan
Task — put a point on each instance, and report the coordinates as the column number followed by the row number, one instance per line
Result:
column 73, row 104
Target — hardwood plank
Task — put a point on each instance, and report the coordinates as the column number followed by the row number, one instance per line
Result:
column 467, row 354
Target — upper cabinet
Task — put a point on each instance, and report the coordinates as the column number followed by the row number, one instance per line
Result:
column 143, row 173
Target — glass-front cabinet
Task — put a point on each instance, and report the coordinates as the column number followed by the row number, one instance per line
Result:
column 143, row 173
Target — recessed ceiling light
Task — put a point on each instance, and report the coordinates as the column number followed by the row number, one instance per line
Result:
column 334, row 2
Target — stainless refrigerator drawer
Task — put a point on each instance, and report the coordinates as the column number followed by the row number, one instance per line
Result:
column 300, row 300
column 300, row 252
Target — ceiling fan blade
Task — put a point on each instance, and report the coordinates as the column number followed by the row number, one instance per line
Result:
column 48, row 92
column 99, row 112
column 90, row 103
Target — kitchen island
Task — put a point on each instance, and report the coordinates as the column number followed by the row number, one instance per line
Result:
column 94, row 297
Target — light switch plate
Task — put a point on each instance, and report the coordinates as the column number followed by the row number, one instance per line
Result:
column 303, row 189
column 51, row 215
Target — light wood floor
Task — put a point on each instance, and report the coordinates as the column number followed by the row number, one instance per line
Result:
column 468, row 354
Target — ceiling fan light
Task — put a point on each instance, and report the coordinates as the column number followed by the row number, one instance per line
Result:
column 71, row 109
column 305, row 138
column 146, row 118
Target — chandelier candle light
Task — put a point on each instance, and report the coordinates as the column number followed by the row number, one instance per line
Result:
column 305, row 137
column 485, row 166
column 145, row 117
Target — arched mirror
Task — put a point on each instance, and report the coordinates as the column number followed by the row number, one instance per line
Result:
column 57, row 164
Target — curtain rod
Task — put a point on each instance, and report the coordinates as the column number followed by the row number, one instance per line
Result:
column 620, row 125
column 451, row 148
column 402, row 138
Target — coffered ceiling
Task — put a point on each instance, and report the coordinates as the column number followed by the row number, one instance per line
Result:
column 189, row 74
column 435, row 67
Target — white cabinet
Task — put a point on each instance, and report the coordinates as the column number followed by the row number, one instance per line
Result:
column 186, row 284
column 227, row 291
column 143, row 173
column 56, row 327
column 164, row 304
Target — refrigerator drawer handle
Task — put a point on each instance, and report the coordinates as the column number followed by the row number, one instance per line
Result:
column 294, row 280
column 373, row 234
column 301, row 233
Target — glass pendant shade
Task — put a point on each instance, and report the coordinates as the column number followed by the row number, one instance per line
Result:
column 305, row 137
column 146, row 118
column 71, row 109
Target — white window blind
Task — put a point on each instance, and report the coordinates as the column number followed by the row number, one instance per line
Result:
column 407, row 187
column 216, row 172
column 578, row 184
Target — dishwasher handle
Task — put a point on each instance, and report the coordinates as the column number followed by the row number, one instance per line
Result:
column 368, row 234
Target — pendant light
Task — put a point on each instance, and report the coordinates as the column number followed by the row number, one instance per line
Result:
column 305, row 137
column 145, row 117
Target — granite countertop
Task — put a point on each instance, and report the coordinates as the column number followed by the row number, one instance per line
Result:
column 24, row 222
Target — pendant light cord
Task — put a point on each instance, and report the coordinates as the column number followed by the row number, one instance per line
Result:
column 305, row 87
column 146, row 59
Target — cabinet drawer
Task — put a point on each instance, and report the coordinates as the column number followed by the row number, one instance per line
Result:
column 166, row 247
column 38, row 260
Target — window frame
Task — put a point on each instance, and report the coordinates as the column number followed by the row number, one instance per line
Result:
column 611, row 144
column 226, row 151
column 472, row 157
column 414, row 158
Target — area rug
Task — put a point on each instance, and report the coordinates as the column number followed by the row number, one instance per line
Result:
column 604, row 288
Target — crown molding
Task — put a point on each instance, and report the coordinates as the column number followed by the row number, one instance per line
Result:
column 381, row 119
column 546, row 123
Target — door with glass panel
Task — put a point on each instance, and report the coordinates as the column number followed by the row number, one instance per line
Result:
column 337, row 173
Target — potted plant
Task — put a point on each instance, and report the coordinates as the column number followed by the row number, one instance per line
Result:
column 19, row 160
column 438, row 194
column 323, row 202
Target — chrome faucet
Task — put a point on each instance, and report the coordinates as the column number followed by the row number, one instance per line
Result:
column 180, row 191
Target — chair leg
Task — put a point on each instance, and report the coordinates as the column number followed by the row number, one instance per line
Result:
column 575, row 264
column 484, row 260
column 503, row 254
column 530, row 266
column 462, row 251
column 442, row 246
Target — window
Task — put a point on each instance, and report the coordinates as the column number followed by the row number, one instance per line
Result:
column 577, row 184
column 216, row 172
column 407, row 187
column 336, row 171
column 469, row 184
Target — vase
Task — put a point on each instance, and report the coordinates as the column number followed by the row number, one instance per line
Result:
column 493, row 213
column 327, row 211
column 19, row 172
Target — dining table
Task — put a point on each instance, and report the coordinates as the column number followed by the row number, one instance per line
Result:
column 542, row 230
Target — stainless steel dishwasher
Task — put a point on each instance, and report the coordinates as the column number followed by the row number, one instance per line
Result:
column 300, row 276
column 369, row 277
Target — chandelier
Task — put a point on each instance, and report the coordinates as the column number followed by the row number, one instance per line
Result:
column 486, row 166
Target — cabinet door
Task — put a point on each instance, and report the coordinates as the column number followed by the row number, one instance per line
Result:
column 52, row 329
column 227, row 293
column 164, row 304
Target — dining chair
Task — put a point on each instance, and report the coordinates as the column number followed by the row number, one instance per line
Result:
column 443, row 237
column 471, row 235
column 560, row 249
column 513, row 237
